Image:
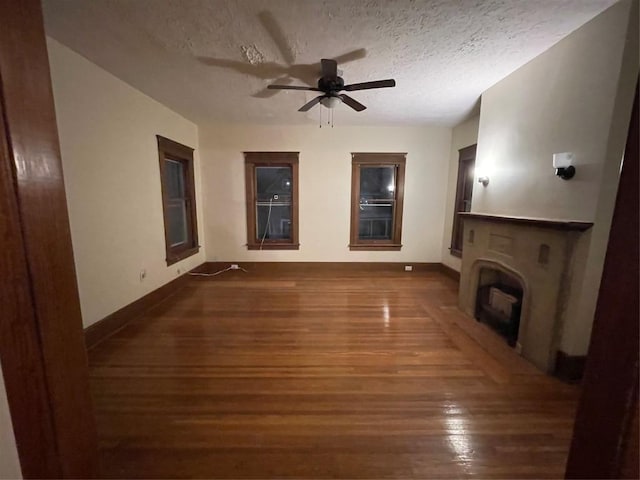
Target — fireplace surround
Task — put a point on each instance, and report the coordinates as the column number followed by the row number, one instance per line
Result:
column 539, row 257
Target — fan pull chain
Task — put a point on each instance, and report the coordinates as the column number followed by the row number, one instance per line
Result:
column 320, row 109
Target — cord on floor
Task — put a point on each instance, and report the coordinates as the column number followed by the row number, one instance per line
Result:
column 231, row 267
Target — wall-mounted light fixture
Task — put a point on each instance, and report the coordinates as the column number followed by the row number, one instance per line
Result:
column 484, row 171
column 562, row 162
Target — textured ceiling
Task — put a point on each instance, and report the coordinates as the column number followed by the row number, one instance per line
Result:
column 210, row 60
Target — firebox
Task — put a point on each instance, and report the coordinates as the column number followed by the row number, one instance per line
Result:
column 499, row 303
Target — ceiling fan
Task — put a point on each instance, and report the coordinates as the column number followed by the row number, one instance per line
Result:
column 330, row 84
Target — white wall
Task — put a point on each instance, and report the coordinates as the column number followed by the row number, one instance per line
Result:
column 464, row 135
column 580, row 331
column 560, row 101
column 574, row 98
column 325, row 189
column 110, row 159
column 9, row 463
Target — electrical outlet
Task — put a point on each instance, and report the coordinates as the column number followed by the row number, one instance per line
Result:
column 143, row 275
column 408, row 268
column 235, row 266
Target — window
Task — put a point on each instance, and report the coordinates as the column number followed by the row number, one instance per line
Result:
column 178, row 200
column 377, row 192
column 464, row 190
column 272, row 200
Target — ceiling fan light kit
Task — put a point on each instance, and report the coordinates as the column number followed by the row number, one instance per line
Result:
column 331, row 84
column 330, row 102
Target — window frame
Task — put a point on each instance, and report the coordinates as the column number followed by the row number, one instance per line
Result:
column 270, row 159
column 466, row 161
column 169, row 149
column 397, row 160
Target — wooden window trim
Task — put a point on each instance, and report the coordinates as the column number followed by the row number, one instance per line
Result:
column 379, row 159
column 270, row 159
column 176, row 151
column 466, row 155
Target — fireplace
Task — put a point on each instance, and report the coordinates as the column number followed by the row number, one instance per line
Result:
column 516, row 277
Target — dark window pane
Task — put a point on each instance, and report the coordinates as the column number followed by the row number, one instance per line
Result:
column 271, row 181
column 273, row 222
column 272, row 214
column 177, row 222
column 377, row 182
column 174, row 178
column 377, row 198
column 376, row 221
column 467, row 189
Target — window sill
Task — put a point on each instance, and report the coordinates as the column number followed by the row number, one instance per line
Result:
column 274, row 246
column 455, row 252
column 375, row 246
column 175, row 258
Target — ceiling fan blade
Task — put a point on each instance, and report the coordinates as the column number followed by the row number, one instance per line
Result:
column 265, row 71
column 266, row 93
column 368, row 85
column 329, row 68
column 272, row 26
column 312, row 103
column 356, row 105
column 292, row 87
column 351, row 56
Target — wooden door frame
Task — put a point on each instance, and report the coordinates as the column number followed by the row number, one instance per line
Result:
column 605, row 416
column 42, row 350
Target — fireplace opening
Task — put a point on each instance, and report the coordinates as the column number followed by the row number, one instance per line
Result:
column 499, row 302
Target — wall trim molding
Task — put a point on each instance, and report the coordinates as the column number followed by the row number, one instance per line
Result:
column 301, row 267
column 450, row 272
column 103, row 329
column 570, row 368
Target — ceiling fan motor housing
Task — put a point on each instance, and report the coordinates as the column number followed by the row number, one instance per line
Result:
column 330, row 84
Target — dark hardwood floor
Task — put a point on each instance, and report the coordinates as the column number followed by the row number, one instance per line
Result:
column 323, row 375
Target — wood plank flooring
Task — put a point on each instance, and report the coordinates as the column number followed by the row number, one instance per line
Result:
column 323, row 375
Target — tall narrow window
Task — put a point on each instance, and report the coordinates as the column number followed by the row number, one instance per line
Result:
column 178, row 200
column 377, row 194
column 272, row 200
column 464, row 190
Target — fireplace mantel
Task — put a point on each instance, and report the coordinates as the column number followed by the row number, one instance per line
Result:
column 534, row 222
